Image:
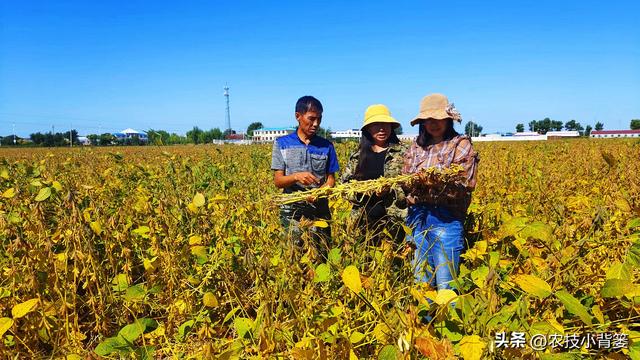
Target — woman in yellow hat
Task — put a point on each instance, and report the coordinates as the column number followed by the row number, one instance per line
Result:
column 380, row 153
column 437, row 217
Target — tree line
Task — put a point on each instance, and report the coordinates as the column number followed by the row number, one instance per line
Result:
column 545, row 125
column 199, row 136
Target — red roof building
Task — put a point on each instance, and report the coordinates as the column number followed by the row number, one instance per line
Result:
column 615, row 133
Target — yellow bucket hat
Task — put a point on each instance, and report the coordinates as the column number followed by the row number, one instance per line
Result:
column 378, row 113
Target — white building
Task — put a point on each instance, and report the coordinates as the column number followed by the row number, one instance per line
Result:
column 615, row 133
column 347, row 134
column 407, row 137
column 270, row 134
column 130, row 134
column 562, row 134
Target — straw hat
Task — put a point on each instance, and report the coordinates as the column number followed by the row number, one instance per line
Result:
column 436, row 106
column 378, row 113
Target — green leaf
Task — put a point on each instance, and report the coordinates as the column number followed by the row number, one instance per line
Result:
column 5, row 324
column 335, row 256
column 23, row 308
column 184, row 329
column 617, row 287
column 145, row 352
column 133, row 331
column 634, row 351
column 574, row 306
column 230, row 314
column 633, row 223
column 43, row 194
column 619, row 271
column 533, row 285
column 479, row 276
column 389, row 352
column 4, row 293
column 543, row 327
column 142, row 231
column 538, row 230
column 120, row 283
column 323, row 273
column 201, row 254
column 512, row 226
column 633, row 257
column 135, row 293
column 111, row 345
column 243, row 326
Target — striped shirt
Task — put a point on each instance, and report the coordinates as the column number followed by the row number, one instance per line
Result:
column 458, row 150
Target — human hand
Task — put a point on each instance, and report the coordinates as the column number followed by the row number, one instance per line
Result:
column 306, row 178
column 411, row 200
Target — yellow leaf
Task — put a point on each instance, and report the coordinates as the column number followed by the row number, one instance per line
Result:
column 472, row 347
column 9, row 193
column 533, row 285
column 352, row 355
column 150, row 264
column 445, row 296
column 477, row 252
column 192, row 208
column 320, row 224
column 382, row 333
column 195, row 240
column 24, row 308
column 198, row 200
column 5, row 324
column 209, row 300
column 351, row 278
column 4, row 173
column 56, row 185
column 96, row 227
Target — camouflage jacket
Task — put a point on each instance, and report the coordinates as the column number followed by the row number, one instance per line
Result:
column 394, row 201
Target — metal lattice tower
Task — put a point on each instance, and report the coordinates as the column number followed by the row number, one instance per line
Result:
column 228, row 115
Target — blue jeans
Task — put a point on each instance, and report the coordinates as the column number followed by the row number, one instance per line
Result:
column 438, row 237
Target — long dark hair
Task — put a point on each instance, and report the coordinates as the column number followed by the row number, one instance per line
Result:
column 424, row 137
column 364, row 149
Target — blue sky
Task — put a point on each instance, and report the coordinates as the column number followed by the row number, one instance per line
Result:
column 104, row 66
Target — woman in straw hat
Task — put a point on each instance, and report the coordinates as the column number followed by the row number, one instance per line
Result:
column 437, row 216
column 380, row 153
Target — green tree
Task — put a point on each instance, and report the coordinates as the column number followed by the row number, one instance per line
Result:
column 253, row 126
column 194, row 135
column 635, row 124
column 587, row 130
column 325, row 133
column 520, row 128
column 573, row 125
column 399, row 130
column 472, row 129
column 599, row 126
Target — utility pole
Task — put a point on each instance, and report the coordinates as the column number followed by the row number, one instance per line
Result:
column 228, row 114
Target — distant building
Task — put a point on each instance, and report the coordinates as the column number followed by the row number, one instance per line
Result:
column 615, row 133
column 407, row 137
column 270, row 134
column 347, row 134
column 526, row 133
column 562, row 134
column 131, row 134
column 84, row 140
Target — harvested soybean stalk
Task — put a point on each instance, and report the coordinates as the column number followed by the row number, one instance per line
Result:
column 421, row 179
